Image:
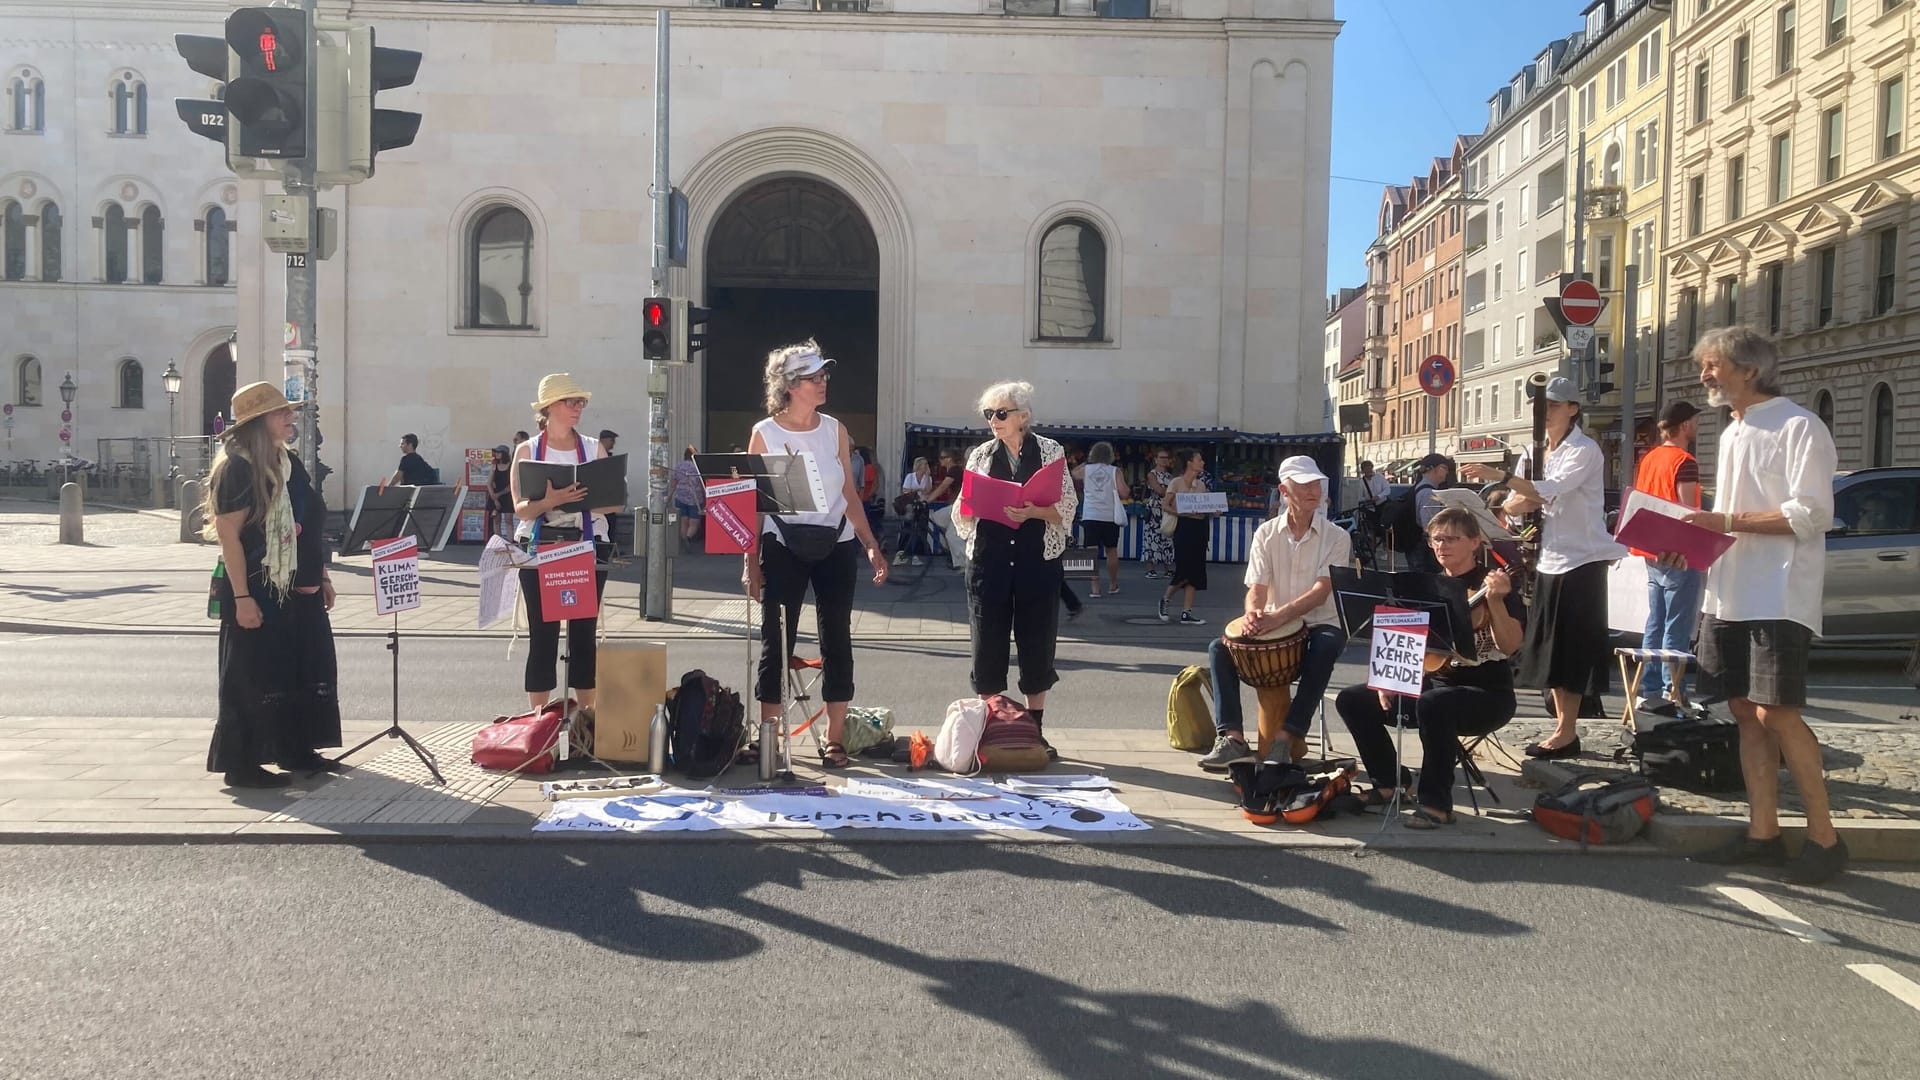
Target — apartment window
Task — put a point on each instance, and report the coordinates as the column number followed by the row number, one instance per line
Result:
column 1499, row 220
column 1742, row 66
column 1774, row 275
column 1883, row 427
column 1836, row 20
column 1586, row 105
column 1520, row 277
column 1700, row 77
column 1521, row 342
column 1523, row 204
column 1783, row 41
column 1496, row 342
column 219, row 245
column 1893, row 115
column 1499, row 288
column 26, row 382
column 1696, row 205
column 1616, row 82
column 499, row 265
column 1526, row 138
column 1833, row 137
column 1737, row 188
column 1824, row 262
column 1729, row 303
column 114, row 245
column 1886, row 263
column 1517, row 398
column 1649, row 68
column 1603, row 262
column 1500, row 159
column 1493, row 403
column 132, row 385
column 1689, row 316
column 150, row 246
column 129, row 105
column 1780, row 176
column 29, row 95
column 1646, row 154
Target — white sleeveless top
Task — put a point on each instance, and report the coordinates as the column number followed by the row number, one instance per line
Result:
column 1102, row 499
column 823, row 442
column 589, row 450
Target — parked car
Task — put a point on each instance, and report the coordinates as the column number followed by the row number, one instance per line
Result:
column 1873, row 557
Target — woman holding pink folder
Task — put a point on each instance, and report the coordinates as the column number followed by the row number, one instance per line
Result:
column 1013, row 571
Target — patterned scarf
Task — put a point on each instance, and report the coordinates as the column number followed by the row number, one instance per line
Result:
column 279, row 529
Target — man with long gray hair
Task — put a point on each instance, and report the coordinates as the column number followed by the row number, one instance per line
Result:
column 1773, row 491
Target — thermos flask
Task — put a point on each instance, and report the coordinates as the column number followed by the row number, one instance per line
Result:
column 769, row 749
column 657, row 742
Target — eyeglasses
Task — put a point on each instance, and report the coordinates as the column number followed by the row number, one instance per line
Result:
column 820, row 377
column 1445, row 538
column 573, row 402
column 999, row 414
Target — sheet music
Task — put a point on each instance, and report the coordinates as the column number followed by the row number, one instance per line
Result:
column 1472, row 503
column 812, row 470
column 500, row 564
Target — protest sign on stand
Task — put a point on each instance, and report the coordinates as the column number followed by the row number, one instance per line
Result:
column 566, row 582
column 731, row 517
column 396, row 575
column 1396, row 661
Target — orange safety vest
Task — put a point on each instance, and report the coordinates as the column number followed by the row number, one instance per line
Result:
column 1658, row 475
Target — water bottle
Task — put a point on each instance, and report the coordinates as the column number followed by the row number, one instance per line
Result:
column 657, row 742
column 769, row 749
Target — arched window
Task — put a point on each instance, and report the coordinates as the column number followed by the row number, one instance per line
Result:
column 15, row 228
column 1613, row 166
column 114, row 241
column 132, row 385
column 1882, row 426
column 217, row 240
column 129, row 105
column 1073, row 282
column 49, row 242
column 26, row 382
column 27, row 93
column 500, row 271
column 1823, row 407
column 151, row 247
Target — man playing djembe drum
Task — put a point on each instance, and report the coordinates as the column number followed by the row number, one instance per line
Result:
column 1288, row 557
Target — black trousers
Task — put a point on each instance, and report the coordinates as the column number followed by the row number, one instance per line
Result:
column 1017, row 595
column 1445, row 713
column 783, row 582
column 543, row 640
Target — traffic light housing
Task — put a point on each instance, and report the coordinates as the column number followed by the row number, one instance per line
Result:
column 656, row 328
column 371, row 69
column 267, row 89
column 689, row 335
column 1600, row 367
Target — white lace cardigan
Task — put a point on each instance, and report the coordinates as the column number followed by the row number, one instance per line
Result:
column 980, row 460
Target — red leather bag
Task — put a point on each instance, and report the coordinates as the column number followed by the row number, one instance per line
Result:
column 524, row 743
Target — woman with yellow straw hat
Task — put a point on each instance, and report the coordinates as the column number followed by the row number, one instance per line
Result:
column 277, row 664
column 557, row 408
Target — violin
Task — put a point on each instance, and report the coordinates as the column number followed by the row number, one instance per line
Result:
column 1481, row 615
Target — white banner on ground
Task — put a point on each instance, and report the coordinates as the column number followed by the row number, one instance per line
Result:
column 1396, row 662
column 396, row 575
column 691, row 811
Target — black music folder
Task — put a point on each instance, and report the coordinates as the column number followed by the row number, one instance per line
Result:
column 605, row 479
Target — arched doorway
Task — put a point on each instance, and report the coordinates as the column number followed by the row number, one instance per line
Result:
column 791, row 258
column 216, row 385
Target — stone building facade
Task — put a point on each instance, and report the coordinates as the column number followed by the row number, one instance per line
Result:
column 1128, row 212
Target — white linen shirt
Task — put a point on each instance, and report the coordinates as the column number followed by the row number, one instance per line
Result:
column 1779, row 457
column 1575, row 516
column 1289, row 567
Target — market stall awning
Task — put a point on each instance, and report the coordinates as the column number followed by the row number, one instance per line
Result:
column 1084, row 432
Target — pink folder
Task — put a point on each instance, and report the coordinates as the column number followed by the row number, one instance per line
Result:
column 1650, row 530
column 984, row 498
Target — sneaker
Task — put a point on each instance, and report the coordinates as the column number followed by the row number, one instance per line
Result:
column 1188, row 618
column 1744, row 850
column 1816, row 864
column 1095, row 595
column 899, row 558
column 917, row 561
column 1227, row 751
column 1153, row 575
column 1164, row 617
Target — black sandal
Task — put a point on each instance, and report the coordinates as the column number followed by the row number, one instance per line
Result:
column 833, row 755
column 1374, row 799
column 1424, row 819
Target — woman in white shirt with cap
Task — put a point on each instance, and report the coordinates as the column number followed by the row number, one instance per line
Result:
column 820, row 548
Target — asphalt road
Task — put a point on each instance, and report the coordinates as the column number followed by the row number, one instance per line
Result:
column 443, row 679
column 643, row 959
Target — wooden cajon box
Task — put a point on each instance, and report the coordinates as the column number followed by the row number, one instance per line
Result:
column 633, row 683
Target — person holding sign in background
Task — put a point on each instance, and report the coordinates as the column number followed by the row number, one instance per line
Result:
column 557, row 408
column 1190, row 536
column 821, row 548
column 277, row 664
column 1458, row 698
column 1103, row 511
column 1014, row 575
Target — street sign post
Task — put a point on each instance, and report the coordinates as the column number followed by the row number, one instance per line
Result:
column 1436, row 378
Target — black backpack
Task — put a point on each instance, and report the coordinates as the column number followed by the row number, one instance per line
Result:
column 704, row 724
column 1402, row 518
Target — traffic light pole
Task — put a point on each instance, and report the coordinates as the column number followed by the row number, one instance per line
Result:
column 300, row 348
column 657, row 599
column 1627, row 374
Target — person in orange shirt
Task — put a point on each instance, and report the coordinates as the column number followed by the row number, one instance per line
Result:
column 1669, row 471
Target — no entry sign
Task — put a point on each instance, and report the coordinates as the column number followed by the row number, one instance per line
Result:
column 1580, row 302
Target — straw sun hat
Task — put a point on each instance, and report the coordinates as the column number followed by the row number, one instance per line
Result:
column 256, row 400
column 559, row 387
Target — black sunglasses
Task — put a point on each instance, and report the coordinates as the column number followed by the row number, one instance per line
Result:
column 997, row 414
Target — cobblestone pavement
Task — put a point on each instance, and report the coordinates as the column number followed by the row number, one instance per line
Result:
column 1872, row 772
column 29, row 523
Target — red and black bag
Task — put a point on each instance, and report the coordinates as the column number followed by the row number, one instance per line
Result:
column 1011, row 741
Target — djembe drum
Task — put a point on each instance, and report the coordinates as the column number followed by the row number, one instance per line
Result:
column 1269, row 662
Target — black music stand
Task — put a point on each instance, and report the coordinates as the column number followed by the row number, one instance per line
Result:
column 1358, row 593
column 786, row 483
column 394, row 730
column 386, row 513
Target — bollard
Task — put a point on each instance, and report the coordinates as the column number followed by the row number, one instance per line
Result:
column 159, row 494
column 191, row 520
column 71, row 512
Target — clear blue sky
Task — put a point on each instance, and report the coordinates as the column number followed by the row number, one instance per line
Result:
column 1399, row 98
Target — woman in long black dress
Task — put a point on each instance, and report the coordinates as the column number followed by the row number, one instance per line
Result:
column 277, row 665
column 1190, row 537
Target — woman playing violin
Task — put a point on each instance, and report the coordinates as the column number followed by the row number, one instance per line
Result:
column 1459, row 698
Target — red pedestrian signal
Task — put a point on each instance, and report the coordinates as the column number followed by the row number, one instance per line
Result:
column 656, row 335
column 267, row 43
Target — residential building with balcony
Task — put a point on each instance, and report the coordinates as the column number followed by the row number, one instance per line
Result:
column 1344, row 338
column 1619, row 81
column 1518, row 185
column 1796, row 169
column 1422, row 232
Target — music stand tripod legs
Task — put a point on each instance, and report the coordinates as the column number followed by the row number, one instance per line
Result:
column 395, row 731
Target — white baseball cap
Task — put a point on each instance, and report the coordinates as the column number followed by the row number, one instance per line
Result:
column 1299, row 469
column 805, row 363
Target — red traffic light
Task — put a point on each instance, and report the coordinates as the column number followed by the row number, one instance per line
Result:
column 655, row 312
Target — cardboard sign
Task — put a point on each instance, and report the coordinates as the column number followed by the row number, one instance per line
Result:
column 731, row 517
column 1395, row 663
column 396, row 575
column 566, row 582
column 1200, row 502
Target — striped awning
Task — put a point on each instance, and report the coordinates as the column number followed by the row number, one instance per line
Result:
column 1138, row 431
